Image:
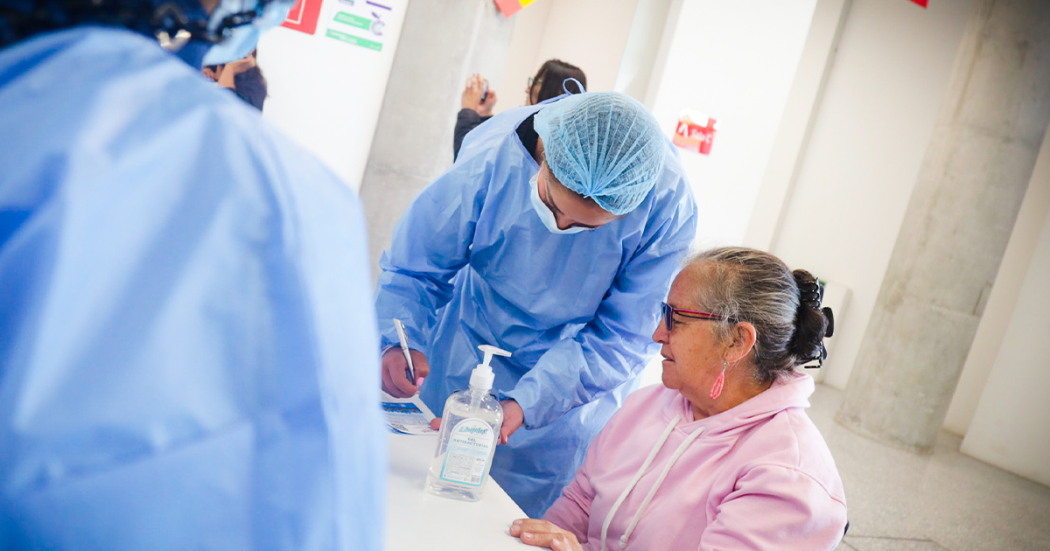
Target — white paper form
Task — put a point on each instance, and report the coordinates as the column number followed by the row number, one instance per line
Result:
column 407, row 415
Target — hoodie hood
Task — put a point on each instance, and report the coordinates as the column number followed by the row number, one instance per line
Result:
column 788, row 391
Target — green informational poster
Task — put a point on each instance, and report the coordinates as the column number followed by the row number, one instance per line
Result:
column 354, row 20
column 359, row 23
column 326, row 89
column 355, row 40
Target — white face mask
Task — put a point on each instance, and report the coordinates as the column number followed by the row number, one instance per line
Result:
column 544, row 212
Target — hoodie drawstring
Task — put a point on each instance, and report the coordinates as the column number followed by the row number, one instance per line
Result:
column 638, row 515
column 638, row 476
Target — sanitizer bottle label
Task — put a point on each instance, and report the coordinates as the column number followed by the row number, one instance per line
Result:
column 469, row 448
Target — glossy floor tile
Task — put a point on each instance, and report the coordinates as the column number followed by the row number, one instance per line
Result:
column 898, row 500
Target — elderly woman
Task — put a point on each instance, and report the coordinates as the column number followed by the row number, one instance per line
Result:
column 722, row 456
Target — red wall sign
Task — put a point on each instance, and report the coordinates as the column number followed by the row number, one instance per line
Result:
column 303, row 17
column 695, row 132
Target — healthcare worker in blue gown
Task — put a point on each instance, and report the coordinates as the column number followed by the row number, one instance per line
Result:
column 554, row 236
column 187, row 350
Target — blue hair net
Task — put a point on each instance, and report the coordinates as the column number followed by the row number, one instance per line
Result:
column 603, row 145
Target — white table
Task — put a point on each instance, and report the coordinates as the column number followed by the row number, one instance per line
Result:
column 417, row 520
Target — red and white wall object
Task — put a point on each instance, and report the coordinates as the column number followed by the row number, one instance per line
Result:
column 695, row 132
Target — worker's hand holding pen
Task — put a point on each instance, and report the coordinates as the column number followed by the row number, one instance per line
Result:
column 401, row 377
column 395, row 378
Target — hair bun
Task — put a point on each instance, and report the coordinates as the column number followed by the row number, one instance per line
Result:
column 812, row 323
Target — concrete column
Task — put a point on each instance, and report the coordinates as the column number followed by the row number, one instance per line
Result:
column 442, row 43
column 973, row 179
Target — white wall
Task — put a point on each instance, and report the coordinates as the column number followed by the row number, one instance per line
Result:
column 734, row 61
column 999, row 311
column 529, row 26
column 1009, row 428
column 590, row 34
column 866, row 145
column 642, row 47
column 807, row 88
column 326, row 94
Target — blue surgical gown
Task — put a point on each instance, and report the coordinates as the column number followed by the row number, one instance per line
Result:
column 471, row 263
column 187, row 349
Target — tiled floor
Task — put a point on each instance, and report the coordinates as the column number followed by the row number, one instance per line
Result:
column 945, row 501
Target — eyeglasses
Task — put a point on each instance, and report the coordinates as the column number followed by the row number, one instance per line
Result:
column 669, row 312
column 537, row 82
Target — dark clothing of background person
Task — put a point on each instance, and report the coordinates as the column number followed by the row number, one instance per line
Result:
column 466, row 120
column 251, row 87
column 526, row 130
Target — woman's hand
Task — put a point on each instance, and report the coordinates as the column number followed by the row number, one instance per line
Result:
column 541, row 533
column 233, row 69
column 485, row 108
column 240, row 66
column 212, row 74
column 471, row 98
column 395, row 380
column 472, row 94
column 513, row 417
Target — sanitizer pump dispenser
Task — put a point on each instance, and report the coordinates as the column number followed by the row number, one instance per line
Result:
column 469, row 434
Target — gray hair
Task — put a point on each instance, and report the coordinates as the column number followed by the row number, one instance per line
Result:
column 754, row 286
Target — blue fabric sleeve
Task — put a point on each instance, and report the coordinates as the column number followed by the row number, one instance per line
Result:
column 614, row 346
column 431, row 243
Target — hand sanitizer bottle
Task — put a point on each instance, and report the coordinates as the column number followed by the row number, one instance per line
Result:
column 469, row 434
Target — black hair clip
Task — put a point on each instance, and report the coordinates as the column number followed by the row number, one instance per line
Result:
column 830, row 316
column 811, row 294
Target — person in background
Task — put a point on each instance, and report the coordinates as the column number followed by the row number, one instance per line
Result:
column 722, row 455
column 478, row 100
column 554, row 236
column 244, row 77
column 187, row 347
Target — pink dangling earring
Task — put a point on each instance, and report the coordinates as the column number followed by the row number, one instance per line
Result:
column 716, row 389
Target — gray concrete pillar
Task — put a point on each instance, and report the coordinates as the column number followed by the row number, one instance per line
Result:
column 955, row 230
column 442, row 43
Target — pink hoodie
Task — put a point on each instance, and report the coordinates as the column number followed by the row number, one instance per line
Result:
column 758, row 476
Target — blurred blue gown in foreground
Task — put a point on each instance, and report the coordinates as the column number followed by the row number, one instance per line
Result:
column 187, row 341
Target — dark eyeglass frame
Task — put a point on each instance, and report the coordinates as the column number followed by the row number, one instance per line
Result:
column 669, row 311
